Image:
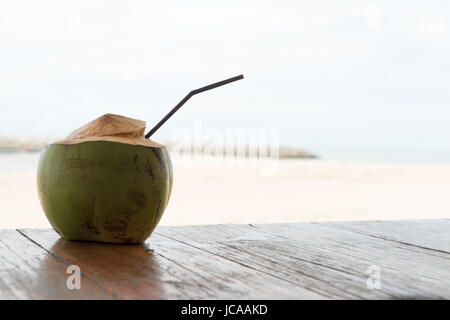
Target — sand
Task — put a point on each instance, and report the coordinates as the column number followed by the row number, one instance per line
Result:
column 300, row 190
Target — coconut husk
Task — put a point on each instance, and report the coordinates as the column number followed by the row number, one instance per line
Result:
column 111, row 127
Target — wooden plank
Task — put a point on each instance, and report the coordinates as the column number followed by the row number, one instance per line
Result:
column 261, row 252
column 27, row 271
column 323, row 258
column 416, row 269
column 416, row 261
column 168, row 269
column 231, row 280
column 407, row 271
column 432, row 234
column 307, row 260
column 119, row 269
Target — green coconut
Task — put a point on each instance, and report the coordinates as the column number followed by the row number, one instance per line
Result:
column 105, row 182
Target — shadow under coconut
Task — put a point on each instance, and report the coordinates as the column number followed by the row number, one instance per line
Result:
column 108, row 271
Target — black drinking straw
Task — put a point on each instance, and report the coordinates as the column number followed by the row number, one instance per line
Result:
column 189, row 95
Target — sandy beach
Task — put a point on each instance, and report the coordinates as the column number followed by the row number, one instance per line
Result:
column 299, row 190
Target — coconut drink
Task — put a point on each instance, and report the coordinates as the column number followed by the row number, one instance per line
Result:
column 107, row 181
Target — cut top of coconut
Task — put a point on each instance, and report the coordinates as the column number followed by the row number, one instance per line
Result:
column 111, row 127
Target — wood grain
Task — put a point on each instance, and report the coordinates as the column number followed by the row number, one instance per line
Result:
column 407, row 271
column 431, row 234
column 272, row 261
column 165, row 269
column 27, row 271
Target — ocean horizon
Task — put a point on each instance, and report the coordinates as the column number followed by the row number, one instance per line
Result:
column 22, row 161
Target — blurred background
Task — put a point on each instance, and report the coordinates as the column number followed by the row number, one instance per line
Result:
column 361, row 85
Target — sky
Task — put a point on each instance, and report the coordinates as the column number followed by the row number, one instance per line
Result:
column 353, row 74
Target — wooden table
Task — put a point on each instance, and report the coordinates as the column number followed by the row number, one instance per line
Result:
column 344, row 260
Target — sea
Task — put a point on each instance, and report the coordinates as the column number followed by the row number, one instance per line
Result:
column 23, row 161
